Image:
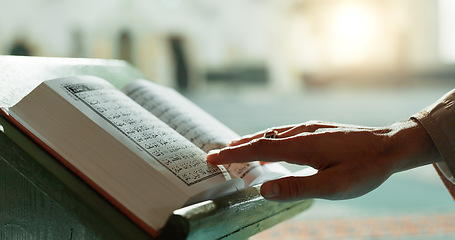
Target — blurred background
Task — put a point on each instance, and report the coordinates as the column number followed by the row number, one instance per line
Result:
column 257, row 64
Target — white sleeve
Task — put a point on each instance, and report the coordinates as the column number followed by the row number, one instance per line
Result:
column 439, row 121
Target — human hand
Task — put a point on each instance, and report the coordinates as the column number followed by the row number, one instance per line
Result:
column 351, row 160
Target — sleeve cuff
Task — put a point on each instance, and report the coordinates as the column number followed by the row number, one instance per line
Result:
column 446, row 171
column 439, row 121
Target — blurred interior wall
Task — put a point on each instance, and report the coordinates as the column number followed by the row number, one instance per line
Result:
column 289, row 39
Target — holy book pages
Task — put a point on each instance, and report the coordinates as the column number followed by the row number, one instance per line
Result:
column 128, row 155
column 194, row 124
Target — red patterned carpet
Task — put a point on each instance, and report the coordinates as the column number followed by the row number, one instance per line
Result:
column 437, row 226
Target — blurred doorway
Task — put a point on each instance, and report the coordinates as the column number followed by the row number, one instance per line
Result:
column 126, row 46
column 180, row 62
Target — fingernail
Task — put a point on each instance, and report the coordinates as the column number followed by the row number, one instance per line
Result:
column 211, row 154
column 214, row 152
column 270, row 190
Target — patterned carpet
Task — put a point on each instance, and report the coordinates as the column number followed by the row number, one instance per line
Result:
column 437, row 226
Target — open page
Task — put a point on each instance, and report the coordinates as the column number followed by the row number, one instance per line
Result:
column 128, row 153
column 190, row 121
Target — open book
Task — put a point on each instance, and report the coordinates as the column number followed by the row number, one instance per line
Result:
column 142, row 148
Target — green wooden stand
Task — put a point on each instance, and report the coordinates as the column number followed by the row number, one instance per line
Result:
column 42, row 199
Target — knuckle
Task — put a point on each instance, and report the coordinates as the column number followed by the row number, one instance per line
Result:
column 256, row 146
column 259, row 144
column 314, row 123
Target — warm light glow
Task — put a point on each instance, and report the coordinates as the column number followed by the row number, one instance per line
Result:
column 353, row 23
column 353, row 28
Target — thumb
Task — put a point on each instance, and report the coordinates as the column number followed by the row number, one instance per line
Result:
column 297, row 188
column 284, row 189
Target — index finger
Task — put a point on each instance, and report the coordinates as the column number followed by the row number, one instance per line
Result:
column 261, row 149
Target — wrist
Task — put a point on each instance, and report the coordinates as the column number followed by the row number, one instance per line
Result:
column 412, row 145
